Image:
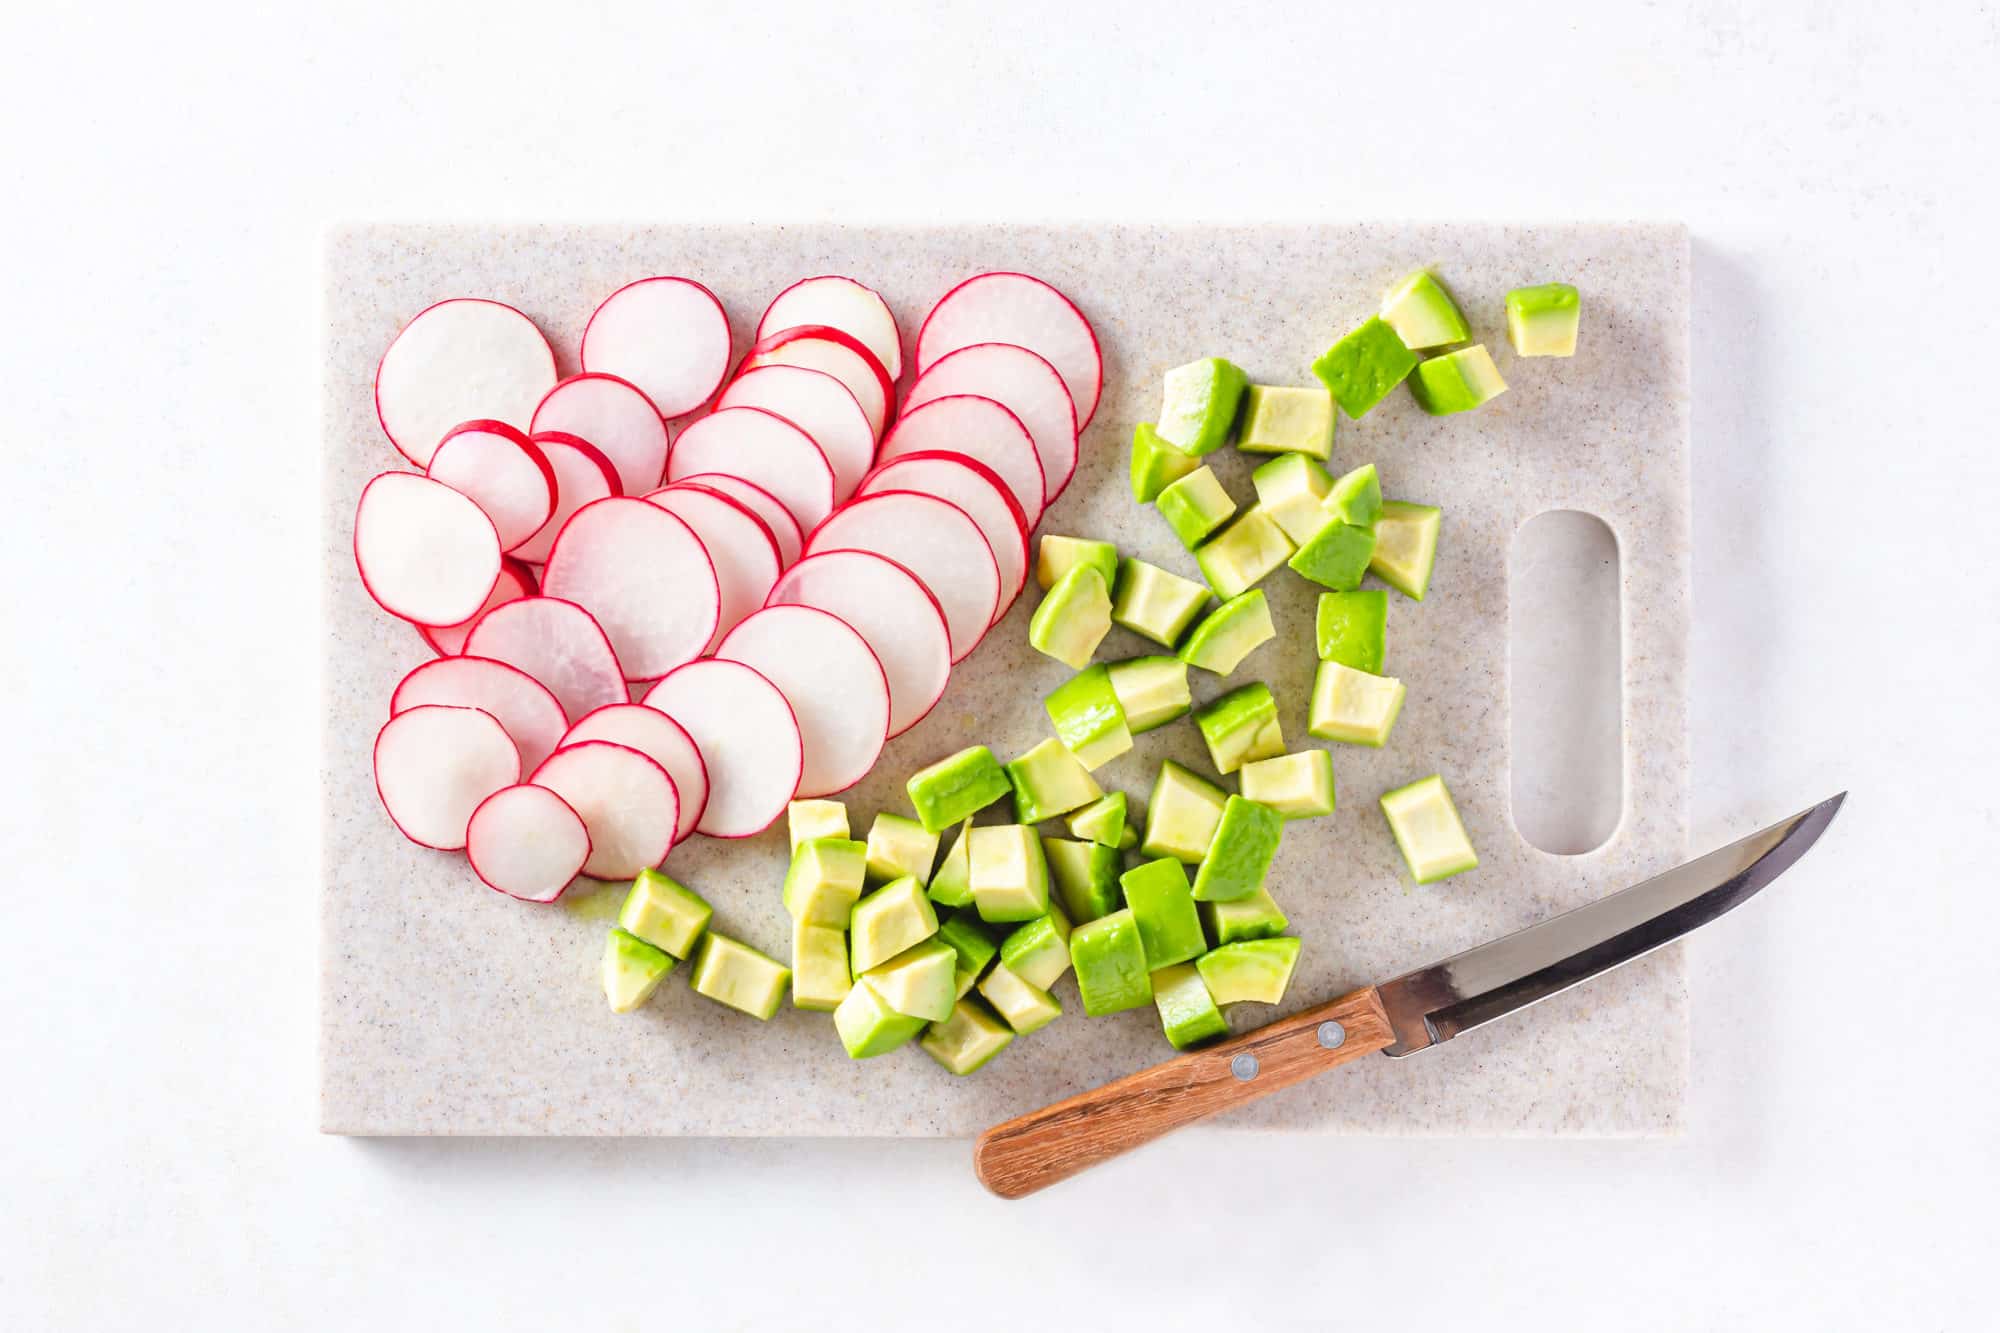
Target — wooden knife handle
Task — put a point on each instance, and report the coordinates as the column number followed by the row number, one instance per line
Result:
column 1035, row 1150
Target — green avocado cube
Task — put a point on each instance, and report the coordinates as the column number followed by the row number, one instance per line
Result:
column 664, row 913
column 1129, row 838
column 1153, row 603
column 974, row 945
column 1188, row 1012
column 957, row 787
column 899, row 847
column 1073, row 618
column 1256, row 971
column 1089, row 720
column 1085, row 876
column 632, row 969
column 1229, row 633
column 1199, row 405
column 1297, row 786
column 1182, row 815
column 1363, row 367
column 1423, row 314
column 1290, row 490
column 893, row 918
column 964, row 1042
column 1541, row 321
column 1245, row 843
column 1356, row 497
column 731, row 972
column 1240, row 726
column 1352, row 627
column 951, row 886
column 807, row 820
column 1038, row 951
column 825, row 881
column 1256, row 917
column 1156, row 464
column 1281, row 420
column 1357, row 707
column 1110, row 964
column 820, row 979
column 1027, row 1008
column 1457, row 381
column 1158, row 896
column 1195, row 506
column 1406, row 545
column 1428, row 829
column 1049, row 781
column 868, row 1026
column 918, row 981
column 1057, row 556
column 1152, row 691
column 1337, row 556
column 1010, row 878
column 1101, row 822
column 1243, row 553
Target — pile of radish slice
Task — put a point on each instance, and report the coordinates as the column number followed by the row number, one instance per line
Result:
column 668, row 599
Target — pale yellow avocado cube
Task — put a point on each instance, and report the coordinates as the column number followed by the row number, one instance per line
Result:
column 664, row 913
column 732, row 973
column 1155, row 604
column 1290, row 490
column 807, row 820
column 1428, row 829
column 1026, row 1007
column 824, row 880
column 1281, row 419
column 899, row 847
column 888, row 921
column 1244, row 552
column 1010, row 876
column 1353, row 706
column 919, row 981
column 1297, row 786
column 820, row 978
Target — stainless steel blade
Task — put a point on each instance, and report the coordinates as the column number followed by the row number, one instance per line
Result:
column 1436, row 1003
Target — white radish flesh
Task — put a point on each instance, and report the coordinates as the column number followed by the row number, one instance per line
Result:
column 744, row 553
column 522, row 705
column 516, row 581
column 844, row 304
column 503, row 472
column 617, row 417
column 626, row 801
column 425, row 552
column 982, row 430
column 583, row 476
column 434, row 765
column 971, row 486
column 836, row 687
column 841, row 355
column 645, row 577
column 782, row 523
column 817, row 404
column 662, row 740
column 933, row 539
column 668, row 336
column 889, row 607
column 559, row 644
column 1027, row 312
column 765, row 450
column 460, row 360
column 747, row 735
column 1025, row 385
column 527, row 842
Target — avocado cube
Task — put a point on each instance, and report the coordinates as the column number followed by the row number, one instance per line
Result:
column 1256, row 917
column 1406, row 545
column 1155, row 463
column 1246, row 841
column 825, row 880
column 1049, row 781
column 1280, row 420
column 951, row 886
column 1199, row 405
column 1188, row 1012
column 1428, row 829
column 820, row 979
column 1457, row 381
column 1541, row 321
column 1352, row 628
column 664, row 914
column 1101, row 822
column 1089, row 720
column 1037, row 951
column 1423, row 314
column 1290, row 489
column 974, row 945
column 1010, row 879
column 1153, row 603
column 957, row 787
column 807, row 820
column 1158, row 896
column 1073, row 618
column 893, row 918
column 868, row 1026
column 1152, row 691
column 1353, row 706
column 1110, row 964
column 1229, row 633
column 1337, row 556
column 1356, row 497
column 1297, row 786
column 1364, row 366
column 731, row 972
column 1195, row 506
column 1181, row 815
column 1085, row 876
column 919, row 980
column 1129, row 838
column 1256, row 971
column 1027, row 1008
column 898, row 846
column 1240, row 726
column 632, row 969
column 964, row 1042
column 1243, row 553
column 1057, row 556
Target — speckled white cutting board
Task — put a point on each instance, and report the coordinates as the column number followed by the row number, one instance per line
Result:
column 447, row 1009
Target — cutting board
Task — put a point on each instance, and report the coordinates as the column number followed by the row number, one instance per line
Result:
column 448, row 1009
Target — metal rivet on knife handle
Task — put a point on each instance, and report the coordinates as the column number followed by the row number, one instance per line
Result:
column 1244, row 1067
column 1331, row 1034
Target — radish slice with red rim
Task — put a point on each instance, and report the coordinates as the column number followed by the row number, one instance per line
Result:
column 765, row 450
column 1025, row 385
column 1027, row 312
column 583, row 476
column 426, row 553
column 500, row 470
column 841, row 355
column 516, row 581
column 889, row 607
column 522, row 705
column 748, row 737
column 817, row 404
column 559, row 644
column 527, row 842
column 668, row 336
column 626, row 801
column 662, row 740
column 460, row 360
column 844, row 304
column 435, row 764
column 618, row 418
column 645, row 577
column 744, row 553
column 933, row 539
column 783, row 524
column 982, row 430
column 836, row 687
column 971, row 486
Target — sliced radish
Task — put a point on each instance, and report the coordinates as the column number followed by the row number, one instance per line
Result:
column 844, row 304
column 933, row 539
column 982, row 430
column 667, row 336
column 662, row 740
column 645, row 577
column 747, row 735
column 503, row 472
column 559, row 644
column 527, row 842
column 434, row 765
column 841, row 355
column 522, row 705
column 425, row 552
column 617, row 417
column 744, row 553
column 817, row 404
column 971, row 486
column 1025, row 385
column 626, row 801
column 766, row 451
column 889, row 607
column 583, row 476
column 1027, row 312
column 460, row 360
column 516, row 581
column 783, row 524
column 836, row 687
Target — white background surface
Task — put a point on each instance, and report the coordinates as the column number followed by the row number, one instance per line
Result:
column 167, row 170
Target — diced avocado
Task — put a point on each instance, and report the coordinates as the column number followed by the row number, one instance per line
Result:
column 1240, row 726
column 664, row 914
column 1245, row 843
column 1290, row 490
column 1026, row 1008
column 1353, row 706
column 868, row 1026
column 1284, row 420
column 1229, row 633
column 957, row 787
column 1428, row 829
column 1257, row 971
column 1199, row 405
column 1152, row 691
column 1406, row 546
column 1085, row 876
column 893, row 918
column 1057, row 556
column 974, row 945
column 1110, row 964
column 1049, row 781
column 731, row 972
column 1297, row 786
column 1256, row 917
column 1010, row 879
column 951, row 886
column 1073, row 618
column 964, row 1042
column 1129, row 838
column 1362, row 368
column 1195, row 506
column 1243, row 553
column 1158, row 896
column 899, row 847
column 1101, row 822
column 1457, row 381
column 919, row 980
column 1352, row 627
column 1337, row 556
column 820, row 978
column 1541, row 321
column 1188, row 1012
column 1356, row 497
column 633, row 970
column 825, row 880
column 806, row 820
column 1088, row 718
column 1154, row 603
column 1181, row 815
column 1037, row 951
column 1155, row 463
column 1423, row 314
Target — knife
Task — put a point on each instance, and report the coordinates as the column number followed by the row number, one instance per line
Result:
column 1398, row 1018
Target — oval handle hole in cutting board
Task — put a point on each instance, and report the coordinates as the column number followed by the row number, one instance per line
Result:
column 1565, row 655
